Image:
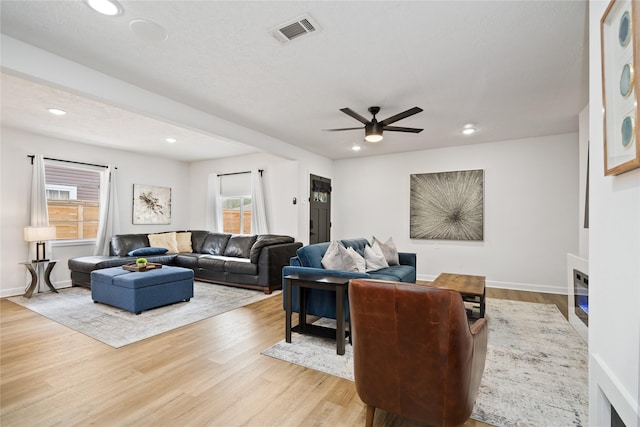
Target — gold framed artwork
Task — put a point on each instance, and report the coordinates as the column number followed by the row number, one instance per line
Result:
column 620, row 41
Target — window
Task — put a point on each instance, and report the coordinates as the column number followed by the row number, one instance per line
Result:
column 73, row 200
column 61, row 192
column 236, row 216
column 235, row 191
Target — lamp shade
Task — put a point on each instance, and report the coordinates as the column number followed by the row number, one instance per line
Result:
column 39, row 234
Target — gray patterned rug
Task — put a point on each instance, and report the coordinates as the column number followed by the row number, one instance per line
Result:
column 74, row 308
column 536, row 373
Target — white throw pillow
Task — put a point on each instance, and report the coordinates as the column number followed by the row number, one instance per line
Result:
column 337, row 258
column 164, row 240
column 361, row 264
column 374, row 259
column 389, row 250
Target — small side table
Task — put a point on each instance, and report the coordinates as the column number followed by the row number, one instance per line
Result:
column 34, row 268
column 303, row 282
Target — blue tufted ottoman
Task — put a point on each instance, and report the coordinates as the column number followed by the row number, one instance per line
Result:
column 138, row 291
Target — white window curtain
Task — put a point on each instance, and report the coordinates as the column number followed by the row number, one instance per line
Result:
column 39, row 213
column 259, row 214
column 109, row 218
column 214, row 204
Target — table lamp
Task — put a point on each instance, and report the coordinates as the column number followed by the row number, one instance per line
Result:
column 39, row 235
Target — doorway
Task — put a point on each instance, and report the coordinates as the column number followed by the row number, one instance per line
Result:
column 319, row 209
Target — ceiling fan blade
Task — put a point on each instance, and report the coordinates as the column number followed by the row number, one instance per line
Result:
column 400, row 116
column 335, row 130
column 401, row 129
column 358, row 117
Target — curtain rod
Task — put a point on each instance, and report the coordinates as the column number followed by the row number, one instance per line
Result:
column 239, row 173
column 31, row 156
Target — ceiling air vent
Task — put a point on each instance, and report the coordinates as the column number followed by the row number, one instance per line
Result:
column 294, row 29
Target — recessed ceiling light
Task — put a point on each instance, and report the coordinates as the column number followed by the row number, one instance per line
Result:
column 356, row 147
column 171, row 140
column 57, row 111
column 469, row 129
column 105, row 7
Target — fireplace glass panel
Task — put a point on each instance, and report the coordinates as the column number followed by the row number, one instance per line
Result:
column 581, row 293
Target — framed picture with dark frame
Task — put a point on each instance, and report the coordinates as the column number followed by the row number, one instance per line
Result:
column 620, row 38
column 447, row 205
column 151, row 204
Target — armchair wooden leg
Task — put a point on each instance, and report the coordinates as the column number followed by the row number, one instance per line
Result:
column 371, row 410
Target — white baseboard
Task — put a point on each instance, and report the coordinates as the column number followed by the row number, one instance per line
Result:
column 528, row 287
column 14, row 292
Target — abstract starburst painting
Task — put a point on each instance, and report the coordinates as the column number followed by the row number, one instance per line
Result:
column 151, row 204
column 447, row 205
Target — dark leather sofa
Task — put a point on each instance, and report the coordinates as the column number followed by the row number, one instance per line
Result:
column 248, row 261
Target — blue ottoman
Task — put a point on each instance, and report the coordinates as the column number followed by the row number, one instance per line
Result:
column 138, row 291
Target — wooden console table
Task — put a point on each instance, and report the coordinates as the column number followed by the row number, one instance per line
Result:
column 304, row 282
column 35, row 274
column 472, row 288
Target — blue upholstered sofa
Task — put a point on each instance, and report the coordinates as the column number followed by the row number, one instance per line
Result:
column 322, row 303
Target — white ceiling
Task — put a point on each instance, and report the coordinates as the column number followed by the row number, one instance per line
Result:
column 516, row 68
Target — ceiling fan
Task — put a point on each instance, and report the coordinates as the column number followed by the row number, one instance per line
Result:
column 373, row 128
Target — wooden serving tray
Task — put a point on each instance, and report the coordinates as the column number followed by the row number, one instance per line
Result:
column 149, row 266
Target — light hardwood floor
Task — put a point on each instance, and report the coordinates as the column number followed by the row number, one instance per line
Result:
column 209, row 373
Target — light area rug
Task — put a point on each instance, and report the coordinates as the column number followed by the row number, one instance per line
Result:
column 74, row 308
column 536, row 371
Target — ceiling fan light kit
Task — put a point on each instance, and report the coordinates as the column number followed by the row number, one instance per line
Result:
column 373, row 128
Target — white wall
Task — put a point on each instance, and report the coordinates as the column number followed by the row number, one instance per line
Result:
column 583, row 233
column 614, row 266
column 16, row 189
column 280, row 187
column 531, row 200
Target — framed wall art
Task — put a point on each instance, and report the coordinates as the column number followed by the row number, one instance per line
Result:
column 447, row 205
column 620, row 38
column 151, row 204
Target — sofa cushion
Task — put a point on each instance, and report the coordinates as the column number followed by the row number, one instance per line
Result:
column 215, row 243
column 241, row 267
column 266, row 240
column 164, row 240
column 211, row 263
column 388, row 249
column 122, row 244
column 184, row 242
column 240, row 246
column 197, row 239
column 147, row 251
column 311, row 255
column 188, row 260
column 397, row 273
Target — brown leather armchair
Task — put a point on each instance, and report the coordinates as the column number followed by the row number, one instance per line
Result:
column 414, row 352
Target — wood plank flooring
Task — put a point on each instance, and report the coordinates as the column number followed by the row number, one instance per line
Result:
column 209, row 373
